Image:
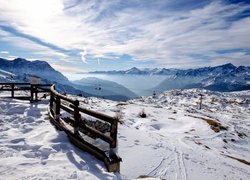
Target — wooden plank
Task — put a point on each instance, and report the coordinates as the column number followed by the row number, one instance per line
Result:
column 22, row 97
column 98, row 115
column 99, row 134
column 67, row 109
column 85, row 128
column 52, row 89
column 5, row 89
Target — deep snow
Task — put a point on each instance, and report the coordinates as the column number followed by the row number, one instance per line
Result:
column 174, row 141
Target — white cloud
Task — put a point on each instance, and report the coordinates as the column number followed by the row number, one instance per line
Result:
column 145, row 33
column 4, row 52
column 83, row 54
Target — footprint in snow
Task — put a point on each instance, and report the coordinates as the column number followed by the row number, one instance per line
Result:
column 18, row 140
column 136, row 142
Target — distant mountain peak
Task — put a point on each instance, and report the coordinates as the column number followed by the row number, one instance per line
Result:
column 19, row 60
column 229, row 66
column 134, row 68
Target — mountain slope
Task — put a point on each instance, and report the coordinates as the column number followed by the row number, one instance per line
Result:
column 6, row 76
column 42, row 69
column 104, row 88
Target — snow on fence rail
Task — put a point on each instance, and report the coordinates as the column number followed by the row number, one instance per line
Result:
column 84, row 134
column 33, row 88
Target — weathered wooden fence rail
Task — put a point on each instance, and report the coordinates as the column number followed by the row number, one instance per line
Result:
column 34, row 89
column 83, row 128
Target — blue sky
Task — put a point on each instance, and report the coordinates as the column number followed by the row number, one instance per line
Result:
column 83, row 35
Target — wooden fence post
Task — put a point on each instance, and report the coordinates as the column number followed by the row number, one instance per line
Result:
column 51, row 100
column 12, row 90
column 31, row 93
column 36, row 91
column 113, row 134
column 201, row 95
column 57, row 110
column 76, row 117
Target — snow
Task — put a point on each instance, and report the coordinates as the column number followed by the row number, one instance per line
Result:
column 6, row 73
column 31, row 148
column 173, row 141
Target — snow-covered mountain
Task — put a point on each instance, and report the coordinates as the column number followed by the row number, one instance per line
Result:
column 220, row 78
column 183, row 72
column 42, row 69
column 225, row 77
column 105, row 89
column 21, row 70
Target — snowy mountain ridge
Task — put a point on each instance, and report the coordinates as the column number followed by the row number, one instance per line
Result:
column 221, row 78
column 139, row 71
column 164, row 71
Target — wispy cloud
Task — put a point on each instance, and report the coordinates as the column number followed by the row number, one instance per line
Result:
column 65, row 69
column 4, row 52
column 83, row 54
column 31, row 47
column 170, row 33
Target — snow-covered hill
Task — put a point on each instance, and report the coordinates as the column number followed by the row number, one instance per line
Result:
column 104, row 88
column 176, row 140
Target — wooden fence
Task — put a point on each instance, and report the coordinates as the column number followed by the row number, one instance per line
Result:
column 34, row 89
column 84, row 128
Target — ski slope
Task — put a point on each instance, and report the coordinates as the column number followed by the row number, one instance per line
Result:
column 176, row 140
